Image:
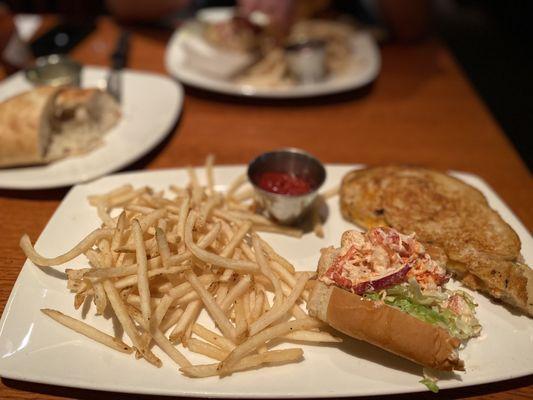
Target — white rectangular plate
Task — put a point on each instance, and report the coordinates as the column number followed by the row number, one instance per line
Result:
column 35, row 348
column 150, row 105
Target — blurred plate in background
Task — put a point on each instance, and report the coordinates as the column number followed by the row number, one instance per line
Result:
column 150, row 106
column 364, row 69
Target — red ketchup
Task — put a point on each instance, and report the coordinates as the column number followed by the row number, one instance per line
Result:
column 283, row 183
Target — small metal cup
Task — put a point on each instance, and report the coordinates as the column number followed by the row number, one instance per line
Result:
column 307, row 60
column 55, row 70
column 285, row 208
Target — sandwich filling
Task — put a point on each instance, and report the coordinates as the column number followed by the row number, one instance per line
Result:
column 385, row 265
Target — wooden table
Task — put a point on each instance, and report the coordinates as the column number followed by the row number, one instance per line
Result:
column 421, row 110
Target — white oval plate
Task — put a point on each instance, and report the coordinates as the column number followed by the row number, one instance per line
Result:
column 150, row 106
column 35, row 348
column 363, row 71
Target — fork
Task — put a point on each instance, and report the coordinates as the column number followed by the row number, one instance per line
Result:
column 118, row 62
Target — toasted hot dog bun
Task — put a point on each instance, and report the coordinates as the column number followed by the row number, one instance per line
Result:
column 382, row 325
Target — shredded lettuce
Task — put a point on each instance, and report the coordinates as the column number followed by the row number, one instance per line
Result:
column 430, row 384
column 429, row 308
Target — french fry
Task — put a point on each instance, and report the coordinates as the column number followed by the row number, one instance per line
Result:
column 196, row 189
column 241, row 326
column 143, row 284
column 244, row 194
column 135, row 300
column 331, row 192
column 285, row 275
column 139, row 209
column 236, row 239
column 206, row 209
column 84, row 245
column 208, row 239
column 246, row 307
column 184, row 211
column 120, row 199
column 121, row 190
column 212, row 258
column 247, row 251
column 236, row 184
column 293, row 232
column 170, row 319
column 197, row 346
column 316, row 220
column 274, row 280
column 117, row 235
column 119, row 272
column 276, row 313
column 276, row 257
column 212, row 337
column 221, row 291
column 100, row 298
column 146, row 221
column 261, row 338
column 101, row 210
column 236, row 291
column 88, row 331
column 127, row 324
column 186, row 299
column 183, row 288
column 212, row 307
column 253, row 361
column 132, row 280
column 226, row 216
column 209, row 161
column 256, row 219
column 312, row 336
column 169, row 349
column 192, row 309
column 257, row 309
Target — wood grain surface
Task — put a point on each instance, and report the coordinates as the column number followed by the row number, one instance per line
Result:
column 421, row 110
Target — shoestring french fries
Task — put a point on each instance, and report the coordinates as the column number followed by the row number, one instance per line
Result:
column 161, row 259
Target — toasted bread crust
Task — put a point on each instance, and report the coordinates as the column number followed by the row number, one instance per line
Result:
column 482, row 249
column 386, row 327
column 25, row 127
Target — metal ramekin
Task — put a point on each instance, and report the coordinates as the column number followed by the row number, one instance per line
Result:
column 55, row 70
column 284, row 208
column 307, row 60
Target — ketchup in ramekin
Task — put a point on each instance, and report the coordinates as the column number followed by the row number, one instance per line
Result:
column 286, row 183
column 283, row 183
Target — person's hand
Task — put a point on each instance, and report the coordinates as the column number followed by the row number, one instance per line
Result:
column 280, row 12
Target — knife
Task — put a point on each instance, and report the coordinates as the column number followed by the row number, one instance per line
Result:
column 118, row 62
